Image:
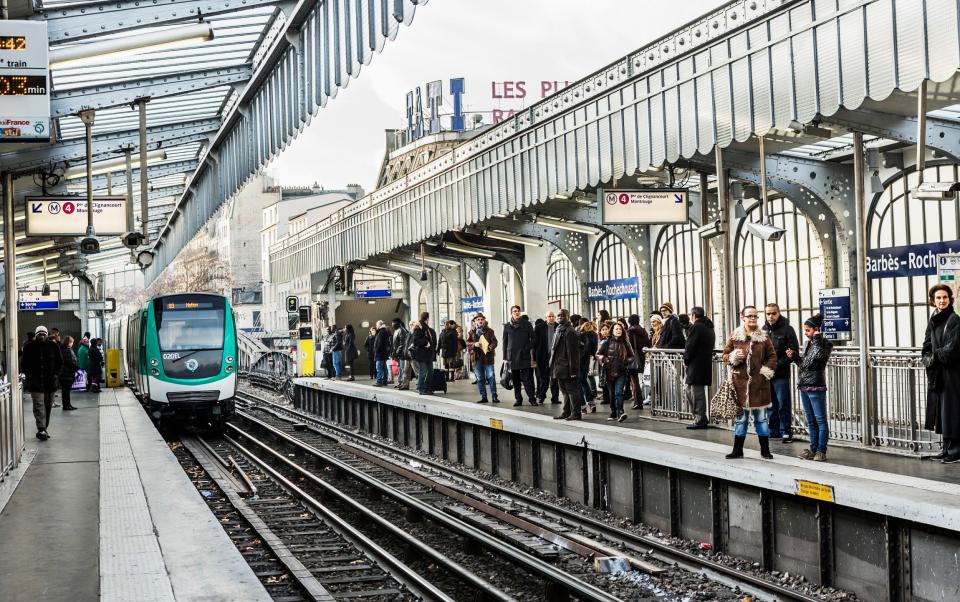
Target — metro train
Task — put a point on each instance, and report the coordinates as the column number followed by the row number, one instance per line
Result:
column 181, row 358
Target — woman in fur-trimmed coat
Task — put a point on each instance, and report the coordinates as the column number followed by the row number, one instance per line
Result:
column 752, row 359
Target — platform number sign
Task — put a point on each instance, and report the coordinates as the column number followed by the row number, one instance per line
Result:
column 292, row 304
column 24, row 81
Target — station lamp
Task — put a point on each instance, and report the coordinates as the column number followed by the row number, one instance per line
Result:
column 441, row 261
column 458, row 248
column 561, row 225
column 507, row 237
column 102, row 167
column 98, row 52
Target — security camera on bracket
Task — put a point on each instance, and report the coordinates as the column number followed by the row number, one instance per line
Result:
column 766, row 230
column 90, row 244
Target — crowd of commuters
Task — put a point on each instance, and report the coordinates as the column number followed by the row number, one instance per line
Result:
column 49, row 367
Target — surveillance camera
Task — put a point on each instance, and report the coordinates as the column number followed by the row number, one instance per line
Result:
column 144, row 259
column 423, row 275
column 132, row 240
column 766, row 231
column 45, row 290
column 936, row 191
column 712, row 230
column 89, row 245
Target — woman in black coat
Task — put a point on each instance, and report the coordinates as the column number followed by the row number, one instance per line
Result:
column 96, row 365
column 941, row 356
column 68, row 372
column 368, row 346
column 350, row 347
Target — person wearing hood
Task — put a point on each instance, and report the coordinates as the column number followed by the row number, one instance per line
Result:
column 784, row 338
column 941, row 357
column 698, row 360
column 671, row 337
column 518, row 353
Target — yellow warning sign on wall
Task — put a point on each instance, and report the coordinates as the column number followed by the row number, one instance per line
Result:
column 817, row 491
column 496, row 423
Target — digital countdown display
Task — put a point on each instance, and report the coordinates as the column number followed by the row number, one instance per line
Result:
column 24, row 82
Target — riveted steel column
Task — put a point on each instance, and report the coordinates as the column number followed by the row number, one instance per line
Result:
column 12, row 336
column 144, row 183
column 867, row 394
column 706, row 267
column 128, row 162
column 729, row 272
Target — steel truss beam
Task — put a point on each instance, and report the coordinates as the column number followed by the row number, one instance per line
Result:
column 943, row 135
column 117, row 94
column 153, row 171
column 109, row 145
column 91, row 19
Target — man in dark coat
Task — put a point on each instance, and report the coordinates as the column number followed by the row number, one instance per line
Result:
column 671, row 336
column 698, row 359
column 783, row 337
column 424, row 352
column 399, row 353
column 518, row 353
column 941, row 357
column 41, row 362
column 381, row 353
column 543, row 332
column 639, row 340
column 565, row 366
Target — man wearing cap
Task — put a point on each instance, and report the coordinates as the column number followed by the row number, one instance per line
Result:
column 671, row 336
column 40, row 363
column 482, row 343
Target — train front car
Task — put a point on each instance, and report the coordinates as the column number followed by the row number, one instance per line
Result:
column 191, row 357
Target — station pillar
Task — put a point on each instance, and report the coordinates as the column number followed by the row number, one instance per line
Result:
column 493, row 302
column 535, row 264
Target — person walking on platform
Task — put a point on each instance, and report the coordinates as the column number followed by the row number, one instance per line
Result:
column 812, row 382
column 615, row 355
column 543, row 331
column 639, row 340
column 96, row 364
column 449, row 349
column 381, row 352
column 424, row 352
column 518, row 353
column 68, row 372
column 784, row 338
column 41, row 362
column 398, row 353
column 482, row 343
column 941, row 357
column 752, row 360
column 565, row 366
column 368, row 344
column 672, row 335
column 350, row 348
column 698, row 360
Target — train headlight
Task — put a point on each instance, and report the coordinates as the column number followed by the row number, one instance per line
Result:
column 154, row 362
column 229, row 369
column 154, row 372
column 229, row 359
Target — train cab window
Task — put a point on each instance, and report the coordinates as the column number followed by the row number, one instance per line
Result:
column 189, row 322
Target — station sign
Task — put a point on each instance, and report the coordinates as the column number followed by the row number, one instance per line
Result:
column 24, row 81
column 372, row 289
column 610, row 290
column 37, row 301
column 67, row 216
column 908, row 260
column 835, row 309
column 644, row 206
column 472, row 304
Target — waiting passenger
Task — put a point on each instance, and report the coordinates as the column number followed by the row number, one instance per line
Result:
column 783, row 337
column 371, row 355
column 615, row 356
column 751, row 356
column 83, row 360
column 518, row 353
column 350, row 348
column 41, row 362
column 543, row 331
column 412, row 368
column 482, row 343
column 565, row 366
column 398, row 354
column 672, row 335
column 941, row 356
column 640, row 340
column 589, row 345
column 424, row 352
column 698, row 360
column 96, row 364
column 68, row 373
column 336, row 351
column 381, row 353
column 812, row 382
column 449, row 348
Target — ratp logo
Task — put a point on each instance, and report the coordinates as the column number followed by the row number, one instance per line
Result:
column 192, row 365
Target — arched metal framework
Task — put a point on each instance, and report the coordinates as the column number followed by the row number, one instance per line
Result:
column 611, row 260
column 789, row 272
column 448, row 304
column 562, row 282
column 678, row 273
column 899, row 305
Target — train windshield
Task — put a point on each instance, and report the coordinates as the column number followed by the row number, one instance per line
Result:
column 189, row 322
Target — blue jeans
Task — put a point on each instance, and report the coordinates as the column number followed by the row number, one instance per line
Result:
column 583, row 381
column 486, row 374
column 338, row 363
column 381, row 372
column 759, row 423
column 815, row 408
column 423, row 377
column 615, row 393
column 780, row 412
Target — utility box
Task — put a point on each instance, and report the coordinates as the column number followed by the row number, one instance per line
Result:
column 305, row 349
column 114, row 377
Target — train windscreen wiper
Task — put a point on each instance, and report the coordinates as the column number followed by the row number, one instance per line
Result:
column 192, row 351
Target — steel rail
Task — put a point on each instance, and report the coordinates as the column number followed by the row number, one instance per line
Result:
column 668, row 553
column 401, row 572
column 575, row 586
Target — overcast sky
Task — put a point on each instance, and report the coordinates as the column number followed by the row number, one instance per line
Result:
column 484, row 42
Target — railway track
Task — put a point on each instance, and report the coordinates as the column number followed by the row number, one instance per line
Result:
column 605, row 539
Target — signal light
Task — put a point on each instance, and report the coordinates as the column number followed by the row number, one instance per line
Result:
column 292, row 304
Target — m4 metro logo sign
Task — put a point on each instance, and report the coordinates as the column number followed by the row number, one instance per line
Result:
column 644, row 206
column 67, row 216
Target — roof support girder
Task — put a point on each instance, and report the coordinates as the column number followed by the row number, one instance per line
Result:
column 942, row 135
column 117, row 94
column 87, row 20
column 153, row 171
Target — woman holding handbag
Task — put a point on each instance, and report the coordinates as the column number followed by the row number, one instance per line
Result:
column 752, row 359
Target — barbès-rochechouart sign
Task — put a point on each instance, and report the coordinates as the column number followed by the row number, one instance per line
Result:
column 610, row 290
column 910, row 260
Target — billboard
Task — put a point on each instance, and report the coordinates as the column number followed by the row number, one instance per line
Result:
column 67, row 216
column 644, row 206
column 24, row 82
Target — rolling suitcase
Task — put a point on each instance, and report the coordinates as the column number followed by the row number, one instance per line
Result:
column 438, row 380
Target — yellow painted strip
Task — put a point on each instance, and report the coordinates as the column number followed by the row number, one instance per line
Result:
column 817, row 491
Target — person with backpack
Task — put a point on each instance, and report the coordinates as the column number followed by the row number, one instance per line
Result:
column 381, row 352
column 350, row 348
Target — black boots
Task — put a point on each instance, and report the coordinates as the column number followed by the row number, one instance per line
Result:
column 737, row 448
column 765, row 447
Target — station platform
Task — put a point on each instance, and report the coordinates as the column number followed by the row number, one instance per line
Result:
column 104, row 511
column 899, row 486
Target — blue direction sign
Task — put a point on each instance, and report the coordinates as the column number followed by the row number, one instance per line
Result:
column 835, row 309
column 472, row 304
column 608, row 290
column 37, row 301
column 372, row 289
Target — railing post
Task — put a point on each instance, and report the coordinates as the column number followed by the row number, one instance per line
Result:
column 868, row 395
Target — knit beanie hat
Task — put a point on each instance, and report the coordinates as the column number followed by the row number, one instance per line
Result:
column 668, row 306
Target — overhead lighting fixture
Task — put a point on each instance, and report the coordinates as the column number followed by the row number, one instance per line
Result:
column 102, row 167
column 814, row 130
column 569, row 226
column 98, row 52
column 506, row 237
column 936, row 191
column 441, row 261
column 457, row 248
column 403, row 265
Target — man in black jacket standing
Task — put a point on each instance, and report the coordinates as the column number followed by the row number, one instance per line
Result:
column 381, row 353
column 543, row 332
column 424, row 352
column 671, row 337
column 783, row 337
column 565, row 366
column 40, row 363
column 518, row 352
column 398, row 351
column 698, row 359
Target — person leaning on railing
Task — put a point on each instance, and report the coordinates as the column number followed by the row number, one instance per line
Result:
column 941, row 356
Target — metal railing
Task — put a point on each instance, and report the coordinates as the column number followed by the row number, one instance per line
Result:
column 11, row 429
column 899, row 395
